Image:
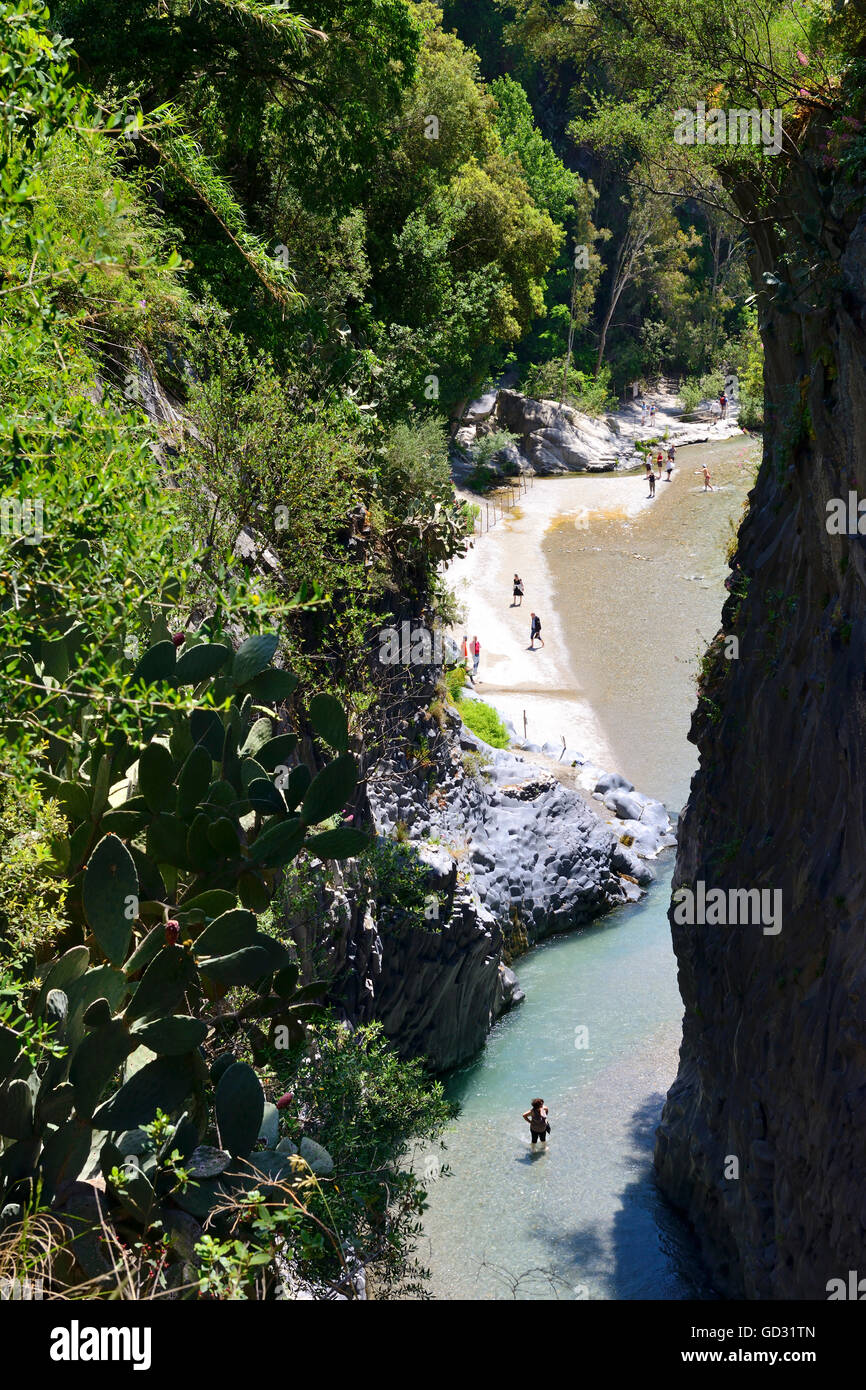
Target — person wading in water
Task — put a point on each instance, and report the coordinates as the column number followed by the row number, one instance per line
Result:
column 539, row 1127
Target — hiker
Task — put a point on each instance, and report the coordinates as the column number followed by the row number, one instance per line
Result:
column 723, row 406
column 475, row 650
column 465, row 654
column 517, row 599
column 536, row 1118
column 534, row 631
column 708, row 487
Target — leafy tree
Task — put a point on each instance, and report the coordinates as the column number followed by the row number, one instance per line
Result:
column 374, row 1109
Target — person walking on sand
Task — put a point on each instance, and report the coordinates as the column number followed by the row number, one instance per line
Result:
column 536, row 1118
column 475, row 651
column 534, row 631
column 517, row 592
column 708, row 487
column 465, row 654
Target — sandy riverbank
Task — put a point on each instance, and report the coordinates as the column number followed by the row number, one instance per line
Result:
column 541, row 682
column 591, row 549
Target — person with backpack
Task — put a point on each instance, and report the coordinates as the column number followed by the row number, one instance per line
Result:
column 536, row 1118
column 517, row 598
column 534, row 631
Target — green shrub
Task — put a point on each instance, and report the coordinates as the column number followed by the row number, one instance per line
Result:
column 455, row 680
column 694, row 389
column 400, row 885
column 487, row 446
column 592, row 395
column 484, row 722
column 372, row 1109
column 32, row 894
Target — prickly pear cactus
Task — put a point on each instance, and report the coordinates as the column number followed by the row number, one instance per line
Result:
column 174, row 846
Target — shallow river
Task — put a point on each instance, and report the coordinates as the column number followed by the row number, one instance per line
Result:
column 599, row 1031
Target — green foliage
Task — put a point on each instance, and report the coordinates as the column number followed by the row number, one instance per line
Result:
column 400, row 887
column 585, row 392
column 696, row 389
column 455, row 681
column 484, row 722
column 31, row 895
column 160, row 931
column 374, row 1109
column 552, row 185
column 488, row 446
column 415, row 466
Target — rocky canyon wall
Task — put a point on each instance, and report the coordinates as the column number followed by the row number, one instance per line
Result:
column 763, row 1136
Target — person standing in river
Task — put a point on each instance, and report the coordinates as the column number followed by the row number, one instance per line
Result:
column 536, row 1118
column 517, row 592
column 534, row 631
column 708, row 487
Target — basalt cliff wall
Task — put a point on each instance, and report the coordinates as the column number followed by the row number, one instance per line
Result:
column 763, row 1136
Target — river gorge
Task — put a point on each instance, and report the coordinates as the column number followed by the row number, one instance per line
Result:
column 631, row 595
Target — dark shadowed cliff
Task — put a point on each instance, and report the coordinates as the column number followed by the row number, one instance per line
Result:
column 773, row 1062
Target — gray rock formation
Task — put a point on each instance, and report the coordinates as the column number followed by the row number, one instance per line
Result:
column 554, row 438
column 511, row 856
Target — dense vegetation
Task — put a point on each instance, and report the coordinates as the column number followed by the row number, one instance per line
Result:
column 251, row 264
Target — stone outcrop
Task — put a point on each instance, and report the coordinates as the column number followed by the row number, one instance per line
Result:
column 763, row 1137
column 511, row 856
column 553, row 439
